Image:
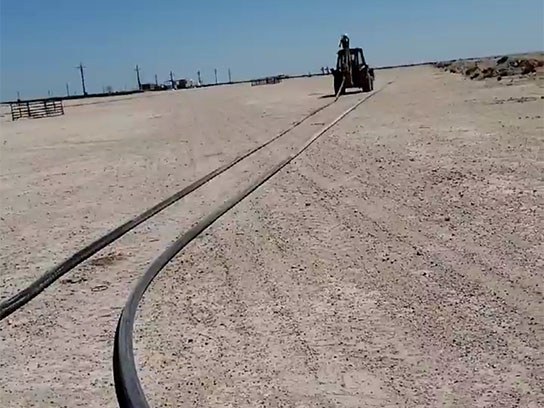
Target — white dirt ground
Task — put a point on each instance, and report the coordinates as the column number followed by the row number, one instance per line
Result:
column 398, row 262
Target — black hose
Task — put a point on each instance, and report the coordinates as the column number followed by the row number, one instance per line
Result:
column 39, row 285
column 127, row 384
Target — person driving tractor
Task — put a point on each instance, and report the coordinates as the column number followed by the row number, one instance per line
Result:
column 344, row 42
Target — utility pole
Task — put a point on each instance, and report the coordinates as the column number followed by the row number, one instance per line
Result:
column 215, row 72
column 80, row 67
column 230, row 79
column 18, row 96
column 172, row 79
column 138, row 77
column 67, row 89
column 156, row 80
column 199, row 79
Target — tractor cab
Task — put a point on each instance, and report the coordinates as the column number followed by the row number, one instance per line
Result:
column 356, row 58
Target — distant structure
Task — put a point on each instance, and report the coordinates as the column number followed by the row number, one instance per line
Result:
column 39, row 108
column 80, row 67
column 181, row 84
column 152, row 87
column 266, row 81
column 138, row 77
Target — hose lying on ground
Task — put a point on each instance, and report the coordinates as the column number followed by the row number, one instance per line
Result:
column 127, row 384
column 39, row 285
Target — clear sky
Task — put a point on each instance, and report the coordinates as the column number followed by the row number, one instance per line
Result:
column 42, row 41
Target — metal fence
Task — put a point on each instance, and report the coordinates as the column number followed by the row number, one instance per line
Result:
column 266, row 81
column 36, row 109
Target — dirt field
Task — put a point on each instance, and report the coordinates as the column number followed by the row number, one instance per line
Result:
column 398, row 262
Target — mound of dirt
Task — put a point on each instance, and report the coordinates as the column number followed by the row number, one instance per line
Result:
column 496, row 68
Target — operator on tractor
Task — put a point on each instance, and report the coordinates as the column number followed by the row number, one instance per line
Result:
column 344, row 42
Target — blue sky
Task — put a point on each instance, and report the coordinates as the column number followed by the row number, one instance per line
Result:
column 43, row 40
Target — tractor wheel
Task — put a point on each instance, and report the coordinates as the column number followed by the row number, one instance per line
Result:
column 368, row 84
column 337, row 84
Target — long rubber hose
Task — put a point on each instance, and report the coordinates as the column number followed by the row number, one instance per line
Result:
column 39, row 285
column 127, row 384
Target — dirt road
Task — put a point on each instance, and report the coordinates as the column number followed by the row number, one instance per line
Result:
column 398, row 262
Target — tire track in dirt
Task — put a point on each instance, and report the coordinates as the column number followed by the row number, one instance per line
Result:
column 277, row 296
column 413, row 243
column 406, row 280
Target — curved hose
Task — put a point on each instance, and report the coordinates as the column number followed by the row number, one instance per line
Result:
column 127, row 384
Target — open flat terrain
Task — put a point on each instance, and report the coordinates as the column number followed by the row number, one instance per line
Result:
column 398, row 262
